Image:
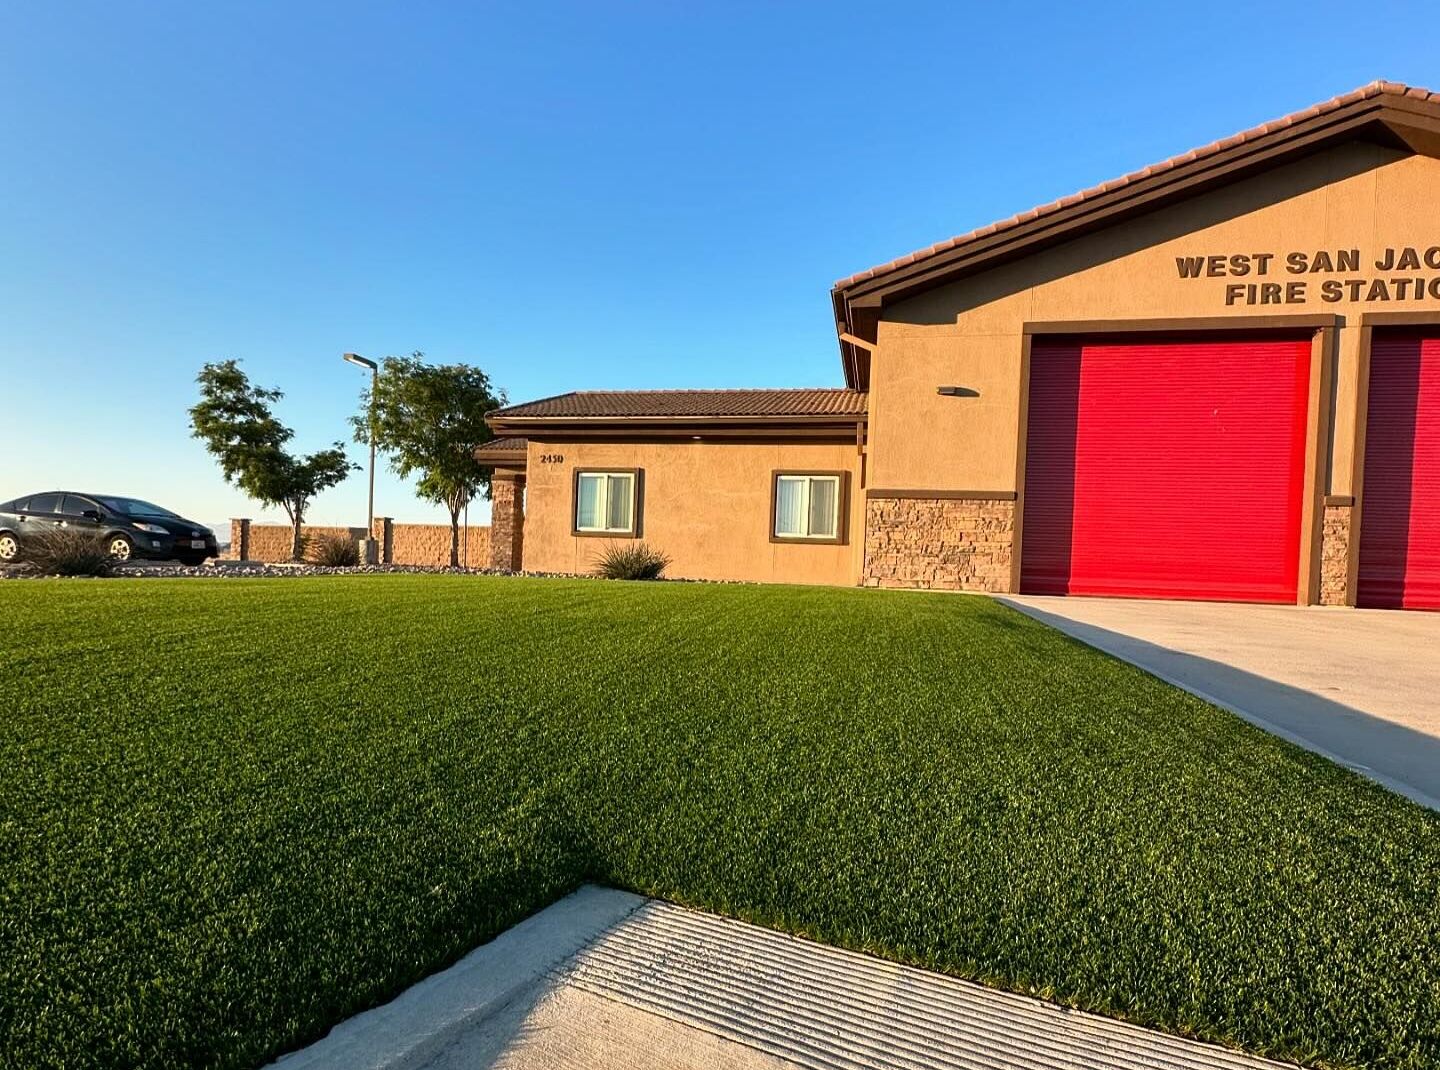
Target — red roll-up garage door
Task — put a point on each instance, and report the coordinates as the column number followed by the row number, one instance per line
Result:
column 1400, row 510
column 1166, row 469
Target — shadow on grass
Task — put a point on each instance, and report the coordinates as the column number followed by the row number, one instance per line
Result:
column 543, row 854
column 1398, row 757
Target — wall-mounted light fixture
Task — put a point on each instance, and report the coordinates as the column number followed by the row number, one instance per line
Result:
column 957, row 392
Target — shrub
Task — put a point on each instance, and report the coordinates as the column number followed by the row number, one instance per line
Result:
column 331, row 550
column 68, row 552
column 631, row 561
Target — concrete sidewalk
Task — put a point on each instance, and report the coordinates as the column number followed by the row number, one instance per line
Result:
column 1361, row 687
column 609, row 979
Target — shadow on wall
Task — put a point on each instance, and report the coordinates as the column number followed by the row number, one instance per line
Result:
column 1047, row 550
column 1399, row 758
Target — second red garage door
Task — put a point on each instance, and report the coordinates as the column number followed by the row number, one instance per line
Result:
column 1400, row 513
column 1166, row 469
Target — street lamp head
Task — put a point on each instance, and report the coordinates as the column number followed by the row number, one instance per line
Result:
column 357, row 359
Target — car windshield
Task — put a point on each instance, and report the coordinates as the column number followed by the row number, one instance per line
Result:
column 134, row 507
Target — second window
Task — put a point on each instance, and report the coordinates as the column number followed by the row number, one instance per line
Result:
column 807, row 507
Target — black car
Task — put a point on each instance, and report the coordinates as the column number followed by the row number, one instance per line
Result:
column 130, row 527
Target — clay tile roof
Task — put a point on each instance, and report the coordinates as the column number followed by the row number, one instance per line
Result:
column 502, row 447
column 623, row 404
column 1374, row 89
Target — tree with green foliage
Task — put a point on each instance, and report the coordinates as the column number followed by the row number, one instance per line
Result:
column 234, row 420
column 429, row 418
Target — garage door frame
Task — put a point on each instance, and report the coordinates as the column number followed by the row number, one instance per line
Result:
column 1319, row 416
column 1368, row 322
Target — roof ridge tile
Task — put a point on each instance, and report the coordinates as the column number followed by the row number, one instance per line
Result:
column 744, row 402
column 710, row 390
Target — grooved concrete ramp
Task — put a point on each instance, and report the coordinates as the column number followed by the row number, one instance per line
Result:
column 651, row 986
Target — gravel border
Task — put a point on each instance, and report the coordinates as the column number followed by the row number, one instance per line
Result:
column 252, row 569
column 228, row 569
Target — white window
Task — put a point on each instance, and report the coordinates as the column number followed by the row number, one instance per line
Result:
column 605, row 502
column 807, row 507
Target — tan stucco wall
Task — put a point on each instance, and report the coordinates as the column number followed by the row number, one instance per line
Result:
column 969, row 333
column 705, row 504
column 400, row 544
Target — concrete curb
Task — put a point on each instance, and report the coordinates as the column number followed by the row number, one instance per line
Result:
column 606, row 979
column 426, row 1016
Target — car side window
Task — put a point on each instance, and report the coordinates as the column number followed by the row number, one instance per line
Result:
column 44, row 503
column 76, row 505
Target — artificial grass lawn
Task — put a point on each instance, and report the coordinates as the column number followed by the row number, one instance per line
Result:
column 233, row 812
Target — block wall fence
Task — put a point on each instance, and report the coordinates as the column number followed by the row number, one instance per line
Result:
column 400, row 544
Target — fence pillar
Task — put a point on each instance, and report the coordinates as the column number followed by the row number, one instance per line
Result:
column 240, row 538
column 383, row 533
column 507, row 521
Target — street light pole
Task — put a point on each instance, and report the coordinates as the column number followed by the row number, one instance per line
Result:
column 361, row 362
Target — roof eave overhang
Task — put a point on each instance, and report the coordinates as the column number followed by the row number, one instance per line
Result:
column 1399, row 121
column 830, row 425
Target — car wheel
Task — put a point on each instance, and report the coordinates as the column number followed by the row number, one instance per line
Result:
column 192, row 560
column 9, row 548
column 121, row 547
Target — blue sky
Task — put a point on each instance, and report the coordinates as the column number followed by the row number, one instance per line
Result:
column 571, row 196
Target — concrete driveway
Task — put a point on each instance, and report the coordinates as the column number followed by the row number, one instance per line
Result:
column 1361, row 687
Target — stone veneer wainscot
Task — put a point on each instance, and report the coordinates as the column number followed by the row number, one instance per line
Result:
column 953, row 544
column 1335, row 555
column 507, row 522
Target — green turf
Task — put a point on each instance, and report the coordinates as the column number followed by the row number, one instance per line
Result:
column 234, row 812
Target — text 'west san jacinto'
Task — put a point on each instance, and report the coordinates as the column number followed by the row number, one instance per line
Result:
column 1287, row 279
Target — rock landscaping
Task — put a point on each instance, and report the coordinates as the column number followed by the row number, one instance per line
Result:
column 247, row 569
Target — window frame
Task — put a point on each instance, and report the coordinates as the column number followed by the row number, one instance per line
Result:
column 76, row 504
column 637, row 479
column 842, row 506
column 58, row 495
